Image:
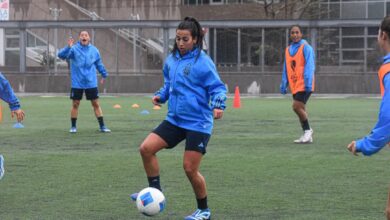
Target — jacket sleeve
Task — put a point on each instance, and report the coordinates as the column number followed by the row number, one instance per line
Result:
column 66, row 53
column 7, row 94
column 100, row 66
column 216, row 88
column 284, row 83
column 163, row 92
column 310, row 67
column 380, row 134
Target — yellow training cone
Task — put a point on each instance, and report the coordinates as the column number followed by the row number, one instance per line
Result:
column 135, row 106
column 117, row 106
column 156, row 107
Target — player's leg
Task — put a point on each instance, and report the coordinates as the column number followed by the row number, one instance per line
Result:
column 92, row 95
column 76, row 95
column 299, row 107
column 387, row 212
column 166, row 135
column 195, row 149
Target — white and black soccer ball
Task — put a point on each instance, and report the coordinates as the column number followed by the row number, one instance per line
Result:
column 150, row 201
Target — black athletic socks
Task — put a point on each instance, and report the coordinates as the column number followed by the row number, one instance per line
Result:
column 305, row 125
column 154, row 182
column 202, row 203
column 100, row 120
column 73, row 120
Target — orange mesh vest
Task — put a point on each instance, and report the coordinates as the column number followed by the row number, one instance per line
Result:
column 385, row 68
column 295, row 66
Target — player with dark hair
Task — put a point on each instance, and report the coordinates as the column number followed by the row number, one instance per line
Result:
column 298, row 73
column 380, row 134
column 196, row 96
column 7, row 94
column 84, row 59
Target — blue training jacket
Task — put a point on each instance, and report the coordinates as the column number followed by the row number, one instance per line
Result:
column 84, row 61
column 193, row 88
column 380, row 134
column 309, row 69
column 7, row 94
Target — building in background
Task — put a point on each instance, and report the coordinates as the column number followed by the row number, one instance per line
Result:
column 343, row 34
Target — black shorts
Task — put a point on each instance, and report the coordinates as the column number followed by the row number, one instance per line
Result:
column 302, row 96
column 90, row 94
column 173, row 135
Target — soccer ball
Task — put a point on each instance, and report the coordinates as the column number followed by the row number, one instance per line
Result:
column 150, row 201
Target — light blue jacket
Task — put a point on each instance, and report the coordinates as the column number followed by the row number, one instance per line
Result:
column 309, row 69
column 84, row 60
column 380, row 134
column 193, row 88
column 7, row 94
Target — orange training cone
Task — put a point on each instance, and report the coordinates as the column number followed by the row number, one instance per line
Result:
column 237, row 99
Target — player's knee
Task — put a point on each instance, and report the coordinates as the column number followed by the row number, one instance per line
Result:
column 76, row 104
column 145, row 150
column 189, row 168
column 95, row 104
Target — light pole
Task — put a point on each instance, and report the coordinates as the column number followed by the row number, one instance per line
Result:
column 55, row 12
column 135, row 36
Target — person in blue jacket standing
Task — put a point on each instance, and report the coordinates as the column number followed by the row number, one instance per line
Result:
column 196, row 96
column 298, row 74
column 7, row 94
column 84, row 60
column 380, row 134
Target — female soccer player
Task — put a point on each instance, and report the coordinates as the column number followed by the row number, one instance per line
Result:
column 196, row 95
column 84, row 59
column 7, row 94
column 298, row 73
column 380, row 134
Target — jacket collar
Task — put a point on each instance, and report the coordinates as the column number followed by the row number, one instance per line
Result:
column 82, row 46
column 190, row 54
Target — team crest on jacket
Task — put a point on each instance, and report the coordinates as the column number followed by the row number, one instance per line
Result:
column 187, row 70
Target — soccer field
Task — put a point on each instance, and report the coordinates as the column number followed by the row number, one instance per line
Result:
column 253, row 169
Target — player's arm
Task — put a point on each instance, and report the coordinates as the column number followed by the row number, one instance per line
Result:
column 67, row 52
column 380, row 134
column 162, row 95
column 310, row 67
column 100, row 67
column 284, row 82
column 7, row 94
column 216, row 89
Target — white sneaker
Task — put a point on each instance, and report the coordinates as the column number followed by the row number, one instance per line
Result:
column 1, row 166
column 73, row 130
column 306, row 138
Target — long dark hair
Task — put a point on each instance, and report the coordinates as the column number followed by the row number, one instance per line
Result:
column 385, row 25
column 191, row 24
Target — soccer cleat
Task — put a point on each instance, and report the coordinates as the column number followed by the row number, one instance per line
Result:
column 73, row 130
column 200, row 214
column 1, row 166
column 134, row 196
column 306, row 138
column 104, row 129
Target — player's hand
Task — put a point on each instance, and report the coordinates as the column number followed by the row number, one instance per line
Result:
column 102, row 81
column 283, row 90
column 70, row 42
column 352, row 148
column 19, row 115
column 218, row 113
column 156, row 100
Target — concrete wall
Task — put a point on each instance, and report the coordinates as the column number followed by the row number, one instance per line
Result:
column 149, row 83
